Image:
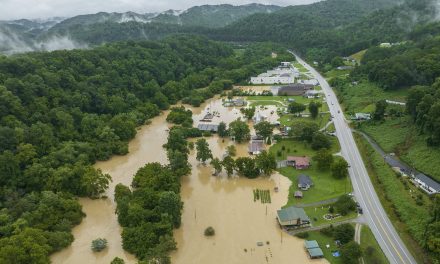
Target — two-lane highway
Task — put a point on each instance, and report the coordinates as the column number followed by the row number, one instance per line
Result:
column 364, row 192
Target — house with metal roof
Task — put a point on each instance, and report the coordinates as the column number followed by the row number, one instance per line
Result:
column 304, row 182
column 292, row 217
column 299, row 163
column 294, row 89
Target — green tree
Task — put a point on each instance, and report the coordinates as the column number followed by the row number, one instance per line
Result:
column 217, row 165
column 203, row 150
column 93, row 182
column 99, row 244
column 169, row 203
column 296, row 108
column 117, row 260
column 324, row 159
column 248, row 112
column 304, row 130
column 320, row 141
column 266, row 162
column 381, row 107
column 246, row 166
column 340, row 169
column 222, row 131
column 314, row 109
column 344, row 233
column 351, row 252
column 229, row 165
column 264, row 129
column 231, row 150
column 345, row 204
column 239, row 130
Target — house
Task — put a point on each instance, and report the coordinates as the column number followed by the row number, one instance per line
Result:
column 298, row 194
column 292, row 217
column 285, row 64
column 313, row 249
column 425, row 183
column 299, row 163
column 312, row 94
column 362, row 116
column 294, row 89
column 283, row 74
column 256, row 147
column 304, row 182
column 341, row 68
column 385, row 45
column 208, row 127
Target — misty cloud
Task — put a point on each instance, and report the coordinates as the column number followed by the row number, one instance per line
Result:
column 16, row 9
column 11, row 43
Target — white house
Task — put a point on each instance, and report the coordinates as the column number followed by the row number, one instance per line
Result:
column 284, row 74
column 311, row 81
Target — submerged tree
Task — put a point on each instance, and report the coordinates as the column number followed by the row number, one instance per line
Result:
column 99, row 244
column 203, row 151
column 217, row 165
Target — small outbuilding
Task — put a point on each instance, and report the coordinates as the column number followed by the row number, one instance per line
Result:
column 313, row 249
column 298, row 194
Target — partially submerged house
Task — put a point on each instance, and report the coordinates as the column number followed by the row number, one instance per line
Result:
column 256, row 147
column 258, row 117
column 300, row 163
column 304, row 182
column 294, row 89
column 313, row 249
column 213, row 128
column 292, row 217
column 207, row 118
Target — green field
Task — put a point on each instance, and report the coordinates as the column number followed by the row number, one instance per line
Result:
column 300, row 67
column 336, row 73
column 398, row 197
column 316, row 214
column 373, row 254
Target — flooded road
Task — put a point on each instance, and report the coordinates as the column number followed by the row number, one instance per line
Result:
column 226, row 204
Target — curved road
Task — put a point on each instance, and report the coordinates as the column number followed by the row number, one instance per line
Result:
column 364, row 192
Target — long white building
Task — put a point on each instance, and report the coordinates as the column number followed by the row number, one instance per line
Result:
column 284, row 74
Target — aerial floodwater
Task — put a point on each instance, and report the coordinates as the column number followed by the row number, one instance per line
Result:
column 245, row 231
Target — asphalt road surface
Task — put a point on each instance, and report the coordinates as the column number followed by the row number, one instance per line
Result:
column 363, row 189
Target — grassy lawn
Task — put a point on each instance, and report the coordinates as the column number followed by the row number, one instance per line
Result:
column 372, row 251
column 264, row 103
column 299, row 148
column 359, row 55
column 316, row 215
column 288, row 119
column 323, row 241
column 397, row 199
column 298, row 99
column 336, row 73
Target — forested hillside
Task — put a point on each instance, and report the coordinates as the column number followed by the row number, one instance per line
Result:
column 62, row 111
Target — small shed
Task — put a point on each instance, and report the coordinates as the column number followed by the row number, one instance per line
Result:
column 298, row 194
column 313, row 249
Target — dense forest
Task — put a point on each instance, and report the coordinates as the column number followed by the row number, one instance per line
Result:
column 61, row 111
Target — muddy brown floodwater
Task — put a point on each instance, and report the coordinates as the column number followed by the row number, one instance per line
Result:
column 227, row 204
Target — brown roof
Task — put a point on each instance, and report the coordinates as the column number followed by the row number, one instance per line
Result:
column 299, row 161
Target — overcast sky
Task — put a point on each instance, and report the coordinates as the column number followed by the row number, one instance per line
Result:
column 15, row 9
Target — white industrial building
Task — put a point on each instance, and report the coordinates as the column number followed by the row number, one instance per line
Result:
column 284, row 74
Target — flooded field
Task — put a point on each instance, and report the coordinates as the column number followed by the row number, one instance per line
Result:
column 226, row 204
